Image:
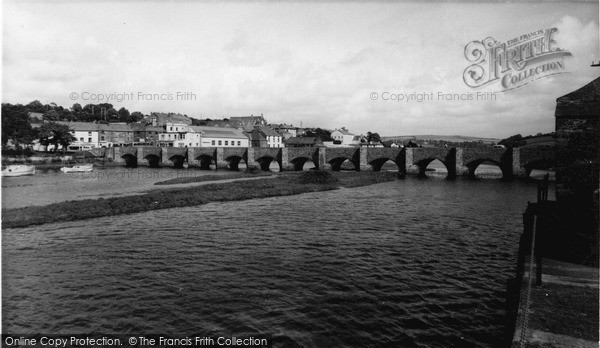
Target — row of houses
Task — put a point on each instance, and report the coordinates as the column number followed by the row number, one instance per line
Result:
column 176, row 130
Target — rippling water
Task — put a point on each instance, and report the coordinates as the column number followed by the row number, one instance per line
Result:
column 408, row 263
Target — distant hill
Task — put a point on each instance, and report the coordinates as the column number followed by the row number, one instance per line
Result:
column 448, row 138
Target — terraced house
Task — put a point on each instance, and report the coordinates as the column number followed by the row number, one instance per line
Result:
column 90, row 135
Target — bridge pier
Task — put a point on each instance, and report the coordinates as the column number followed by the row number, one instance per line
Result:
column 517, row 169
column 409, row 167
column 250, row 158
column 220, row 161
column 322, row 163
column 460, row 168
column 286, row 165
column 364, row 165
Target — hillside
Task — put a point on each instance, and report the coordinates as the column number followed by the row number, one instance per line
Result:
column 448, row 138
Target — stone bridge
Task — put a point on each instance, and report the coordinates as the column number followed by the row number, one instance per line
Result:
column 458, row 161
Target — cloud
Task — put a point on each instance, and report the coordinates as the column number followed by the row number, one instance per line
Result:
column 310, row 63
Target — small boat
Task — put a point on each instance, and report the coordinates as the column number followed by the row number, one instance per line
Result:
column 74, row 169
column 18, row 170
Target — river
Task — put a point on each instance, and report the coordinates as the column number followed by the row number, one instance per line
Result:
column 415, row 262
column 53, row 186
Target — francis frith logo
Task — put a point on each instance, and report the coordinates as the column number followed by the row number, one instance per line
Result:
column 516, row 62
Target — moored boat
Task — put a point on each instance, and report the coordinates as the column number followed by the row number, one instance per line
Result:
column 18, row 170
column 74, row 169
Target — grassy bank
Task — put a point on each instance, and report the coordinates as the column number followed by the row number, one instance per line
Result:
column 284, row 185
column 204, row 178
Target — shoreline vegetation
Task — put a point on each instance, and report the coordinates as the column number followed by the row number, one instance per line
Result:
column 204, row 178
column 283, row 185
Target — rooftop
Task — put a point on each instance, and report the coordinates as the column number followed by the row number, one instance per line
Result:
column 344, row 131
column 218, row 132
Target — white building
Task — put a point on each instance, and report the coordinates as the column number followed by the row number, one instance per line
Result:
column 345, row 137
column 221, row 137
column 204, row 136
column 86, row 136
column 263, row 136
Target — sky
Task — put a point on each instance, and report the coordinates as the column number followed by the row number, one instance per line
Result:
column 315, row 64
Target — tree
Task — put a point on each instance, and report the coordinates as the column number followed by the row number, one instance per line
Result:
column 319, row 133
column 124, row 115
column 51, row 115
column 513, row 141
column 76, row 108
column 52, row 133
column 137, row 116
column 112, row 113
column 373, row 137
column 36, row 106
column 15, row 126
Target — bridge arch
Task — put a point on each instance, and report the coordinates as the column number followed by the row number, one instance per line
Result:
column 234, row 162
column 130, row 160
column 177, row 160
column 336, row 163
column 473, row 165
column 300, row 162
column 378, row 163
column 153, row 161
column 422, row 165
column 265, row 163
column 206, row 161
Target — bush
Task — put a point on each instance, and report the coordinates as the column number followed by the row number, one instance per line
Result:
column 17, row 152
column 317, row 177
column 252, row 170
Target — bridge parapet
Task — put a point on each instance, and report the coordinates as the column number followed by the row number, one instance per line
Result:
column 273, row 152
column 421, row 154
column 235, row 151
column 374, row 153
column 480, row 155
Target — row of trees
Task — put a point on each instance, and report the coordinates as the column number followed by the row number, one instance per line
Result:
column 519, row 140
column 325, row 135
column 17, row 129
column 104, row 112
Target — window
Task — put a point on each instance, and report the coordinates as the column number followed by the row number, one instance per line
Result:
column 212, row 143
column 89, row 134
column 170, row 128
column 226, row 142
column 81, row 139
column 219, row 142
column 239, row 143
column 89, row 140
column 102, row 138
